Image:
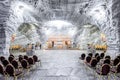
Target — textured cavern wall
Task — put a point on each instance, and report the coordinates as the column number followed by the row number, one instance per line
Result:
column 111, row 27
column 11, row 16
column 112, row 32
column 9, row 22
column 4, row 35
column 107, row 27
column 116, row 19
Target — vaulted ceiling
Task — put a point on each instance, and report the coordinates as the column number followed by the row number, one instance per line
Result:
column 76, row 11
column 38, row 12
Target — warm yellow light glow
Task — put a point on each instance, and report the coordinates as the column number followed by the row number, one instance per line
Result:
column 103, row 37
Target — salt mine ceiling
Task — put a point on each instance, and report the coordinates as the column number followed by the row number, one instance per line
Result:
column 75, row 11
column 38, row 12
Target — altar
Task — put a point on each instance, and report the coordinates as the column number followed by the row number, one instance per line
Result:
column 59, row 42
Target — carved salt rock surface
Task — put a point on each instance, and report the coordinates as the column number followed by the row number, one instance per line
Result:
column 54, row 10
column 56, row 1
column 115, row 20
column 4, row 14
column 4, row 10
column 109, row 30
column 69, row 16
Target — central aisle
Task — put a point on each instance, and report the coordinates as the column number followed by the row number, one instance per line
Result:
column 60, row 65
column 59, row 58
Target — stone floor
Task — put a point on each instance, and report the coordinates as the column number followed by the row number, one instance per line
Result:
column 62, row 65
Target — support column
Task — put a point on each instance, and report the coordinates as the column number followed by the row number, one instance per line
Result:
column 113, row 30
column 4, row 42
column 116, row 19
column 4, row 37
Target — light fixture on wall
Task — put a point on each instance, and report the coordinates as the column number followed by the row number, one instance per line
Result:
column 13, row 37
column 103, row 38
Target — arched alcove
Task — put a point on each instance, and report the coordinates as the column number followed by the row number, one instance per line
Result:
column 90, row 34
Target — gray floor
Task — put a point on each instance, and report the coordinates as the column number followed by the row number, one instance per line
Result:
column 62, row 65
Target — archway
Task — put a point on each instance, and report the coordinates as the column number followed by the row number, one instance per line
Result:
column 91, row 34
column 59, row 35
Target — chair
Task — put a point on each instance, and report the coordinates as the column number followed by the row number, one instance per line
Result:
column 2, row 58
column 118, row 57
column 36, row 59
column 2, row 72
column 106, row 61
column 10, row 59
column 90, row 54
column 105, row 69
column 5, row 63
column 88, row 59
column 96, row 55
column 116, row 61
column 98, row 58
column 25, row 57
column 11, row 71
column 31, row 61
column 93, row 63
column 12, row 55
column 102, row 55
column 82, row 56
column 25, row 65
column 20, row 58
column 116, row 69
column 107, row 57
column 16, row 65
